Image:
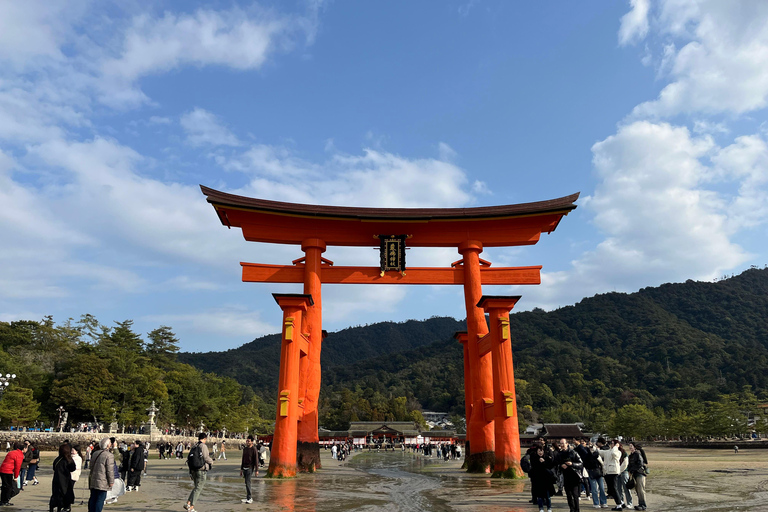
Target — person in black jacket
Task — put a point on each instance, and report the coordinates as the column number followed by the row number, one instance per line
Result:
column 135, row 467
column 531, row 453
column 542, row 478
column 62, row 484
column 571, row 466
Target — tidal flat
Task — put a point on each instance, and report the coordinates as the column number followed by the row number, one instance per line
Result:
column 680, row 480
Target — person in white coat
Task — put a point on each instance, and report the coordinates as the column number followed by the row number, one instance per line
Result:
column 78, row 467
column 611, row 469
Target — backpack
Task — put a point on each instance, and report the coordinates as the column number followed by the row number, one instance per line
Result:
column 525, row 463
column 195, row 459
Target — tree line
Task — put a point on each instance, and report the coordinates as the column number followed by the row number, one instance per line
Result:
column 688, row 359
column 101, row 374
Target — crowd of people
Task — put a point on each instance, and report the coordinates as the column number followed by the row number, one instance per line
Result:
column 109, row 478
column 577, row 470
column 582, row 469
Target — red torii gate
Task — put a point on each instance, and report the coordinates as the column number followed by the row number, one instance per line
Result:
column 489, row 383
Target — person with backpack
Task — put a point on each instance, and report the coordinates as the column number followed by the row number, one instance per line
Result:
column 199, row 462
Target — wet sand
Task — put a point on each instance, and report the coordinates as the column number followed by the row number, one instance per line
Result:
column 680, row 480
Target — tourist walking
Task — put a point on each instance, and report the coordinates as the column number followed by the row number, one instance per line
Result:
column 542, row 477
column 249, row 466
column 638, row 468
column 223, row 452
column 199, row 462
column 34, row 462
column 102, row 476
column 136, row 463
column 62, row 495
column 570, row 467
column 9, row 472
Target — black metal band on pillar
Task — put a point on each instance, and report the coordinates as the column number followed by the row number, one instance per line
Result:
column 392, row 253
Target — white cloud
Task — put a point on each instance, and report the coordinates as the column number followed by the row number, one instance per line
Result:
column 32, row 29
column 709, row 127
column 662, row 218
column 159, row 120
column 344, row 303
column 236, row 39
column 746, row 161
column 23, row 315
column 234, row 321
column 205, row 129
column 634, row 24
column 189, row 283
column 375, row 178
column 723, row 63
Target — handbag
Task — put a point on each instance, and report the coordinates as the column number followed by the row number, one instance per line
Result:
column 595, row 473
column 631, row 482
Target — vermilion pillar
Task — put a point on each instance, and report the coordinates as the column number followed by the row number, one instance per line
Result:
column 507, row 435
column 480, row 424
column 308, row 441
column 462, row 336
column 283, row 457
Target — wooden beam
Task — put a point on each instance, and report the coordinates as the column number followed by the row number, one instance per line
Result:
column 484, row 345
column 261, row 273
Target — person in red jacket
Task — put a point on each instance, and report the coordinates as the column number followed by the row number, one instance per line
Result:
column 9, row 471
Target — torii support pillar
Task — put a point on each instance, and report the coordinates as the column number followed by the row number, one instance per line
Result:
column 308, row 441
column 480, row 424
column 294, row 344
column 498, row 342
column 462, row 336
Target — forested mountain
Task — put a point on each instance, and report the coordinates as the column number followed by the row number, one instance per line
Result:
column 257, row 363
column 690, row 359
column 670, row 347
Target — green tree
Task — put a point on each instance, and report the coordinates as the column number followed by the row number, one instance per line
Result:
column 635, row 422
column 86, row 386
column 162, row 346
column 18, row 407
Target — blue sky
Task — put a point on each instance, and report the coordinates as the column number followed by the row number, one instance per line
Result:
column 112, row 113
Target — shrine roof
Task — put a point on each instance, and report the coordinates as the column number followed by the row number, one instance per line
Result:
column 267, row 221
column 217, row 198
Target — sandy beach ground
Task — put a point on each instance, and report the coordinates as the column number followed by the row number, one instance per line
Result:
column 680, row 480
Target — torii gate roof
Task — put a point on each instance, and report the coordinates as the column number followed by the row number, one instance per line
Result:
column 291, row 223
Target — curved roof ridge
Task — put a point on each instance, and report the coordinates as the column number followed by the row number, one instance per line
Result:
column 218, row 198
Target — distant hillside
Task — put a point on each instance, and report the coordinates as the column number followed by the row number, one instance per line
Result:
column 257, row 363
column 692, row 340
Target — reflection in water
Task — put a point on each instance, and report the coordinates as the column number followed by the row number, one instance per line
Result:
column 376, row 482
